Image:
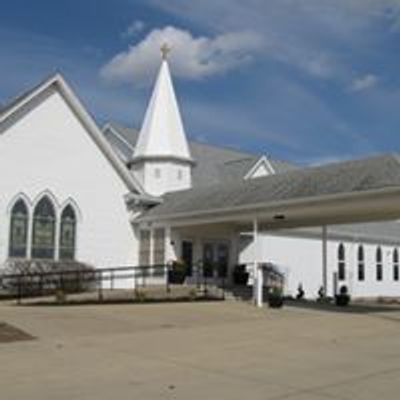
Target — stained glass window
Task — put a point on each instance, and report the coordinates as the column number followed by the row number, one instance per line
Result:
column 18, row 230
column 67, row 234
column 43, row 235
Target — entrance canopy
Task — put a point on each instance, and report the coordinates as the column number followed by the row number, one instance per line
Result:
column 342, row 193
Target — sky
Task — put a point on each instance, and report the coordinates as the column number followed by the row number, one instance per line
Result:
column 309, row 81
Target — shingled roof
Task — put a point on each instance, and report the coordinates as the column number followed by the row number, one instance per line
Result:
column 214, row 164
column 348, row 177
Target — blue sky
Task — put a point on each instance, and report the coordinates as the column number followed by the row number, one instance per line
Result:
column 309, row 81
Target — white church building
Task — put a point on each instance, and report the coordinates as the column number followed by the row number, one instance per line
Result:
column 115, row 196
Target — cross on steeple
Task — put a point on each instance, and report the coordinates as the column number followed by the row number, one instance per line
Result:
column 165, row 49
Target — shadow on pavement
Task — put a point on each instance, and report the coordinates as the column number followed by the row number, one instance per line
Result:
column 352, row 308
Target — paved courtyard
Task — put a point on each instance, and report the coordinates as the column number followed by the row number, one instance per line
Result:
column 221, row 350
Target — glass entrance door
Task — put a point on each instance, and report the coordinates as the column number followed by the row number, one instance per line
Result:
column 222, row 260
column 215, row 259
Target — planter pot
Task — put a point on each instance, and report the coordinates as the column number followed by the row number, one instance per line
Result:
column 275, row 301
column 342, row 300
column 240, row 278
column 176, row 277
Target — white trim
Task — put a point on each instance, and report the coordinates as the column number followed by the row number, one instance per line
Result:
column 263, row 160
column 71, row 202
column 15, row 199
column 46, row 193
column 108, row 126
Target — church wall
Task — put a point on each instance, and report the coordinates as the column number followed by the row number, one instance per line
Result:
column 49, row 150
column 301, row 260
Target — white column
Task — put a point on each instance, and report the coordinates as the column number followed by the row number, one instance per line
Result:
column 257, row 271
column 325, row 259
column 151, row 258
column 169, row 246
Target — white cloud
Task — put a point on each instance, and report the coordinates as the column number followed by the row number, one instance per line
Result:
column 133, row 29
column 364, row 82
column 192, row 57
column 322, row 38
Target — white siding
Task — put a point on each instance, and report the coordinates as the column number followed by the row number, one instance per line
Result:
column 49, row 150
column 301, row 260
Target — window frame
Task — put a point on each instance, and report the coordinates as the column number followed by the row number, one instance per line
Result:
column 67, row 251
column 44, row 250
column 12, row 248
column 379, row 264
column 341, row 258
column 360, row 263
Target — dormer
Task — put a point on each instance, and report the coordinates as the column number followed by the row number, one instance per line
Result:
column 261, row 168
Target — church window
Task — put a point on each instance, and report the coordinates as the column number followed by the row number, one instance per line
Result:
column 180, row 175
column 379, row 268
column 67, row 234
column 43, row 234
column 157, row 173
column 19, row 230
column 360, row 263
column 341, row 263
column 396, row 274
column 144, row 248
column 159, row 247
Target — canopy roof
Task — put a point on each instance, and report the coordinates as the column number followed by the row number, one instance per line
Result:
column 296, row 195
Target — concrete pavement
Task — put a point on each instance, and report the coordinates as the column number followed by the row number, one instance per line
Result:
column 220, row 350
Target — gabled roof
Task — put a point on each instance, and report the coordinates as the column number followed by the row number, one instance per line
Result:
column 56, row 82
column 344, row 178
column 214, row 164
column 162, row 133
column 21, row 97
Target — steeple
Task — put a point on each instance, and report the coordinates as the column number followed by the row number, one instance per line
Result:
column 162, row 133
column 161, row 160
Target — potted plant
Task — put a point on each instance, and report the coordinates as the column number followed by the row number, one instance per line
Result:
column 343, row 298
column 177, row 272
column 300, row 292
column 240, row 275
column 275, row 298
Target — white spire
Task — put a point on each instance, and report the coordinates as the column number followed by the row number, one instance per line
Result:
column 162, row 133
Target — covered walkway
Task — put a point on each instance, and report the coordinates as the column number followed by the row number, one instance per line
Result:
column 356, row 191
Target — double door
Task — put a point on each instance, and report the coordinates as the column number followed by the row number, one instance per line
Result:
column 215, row 259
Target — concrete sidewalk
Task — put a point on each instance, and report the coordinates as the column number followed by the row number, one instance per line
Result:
column 199, row 351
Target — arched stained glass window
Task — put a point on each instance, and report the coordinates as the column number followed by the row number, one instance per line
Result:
column 43, row 234
column 19, row 230
column 341, row 262
column 67, row 234
column 360, row 263
column 379, row 268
